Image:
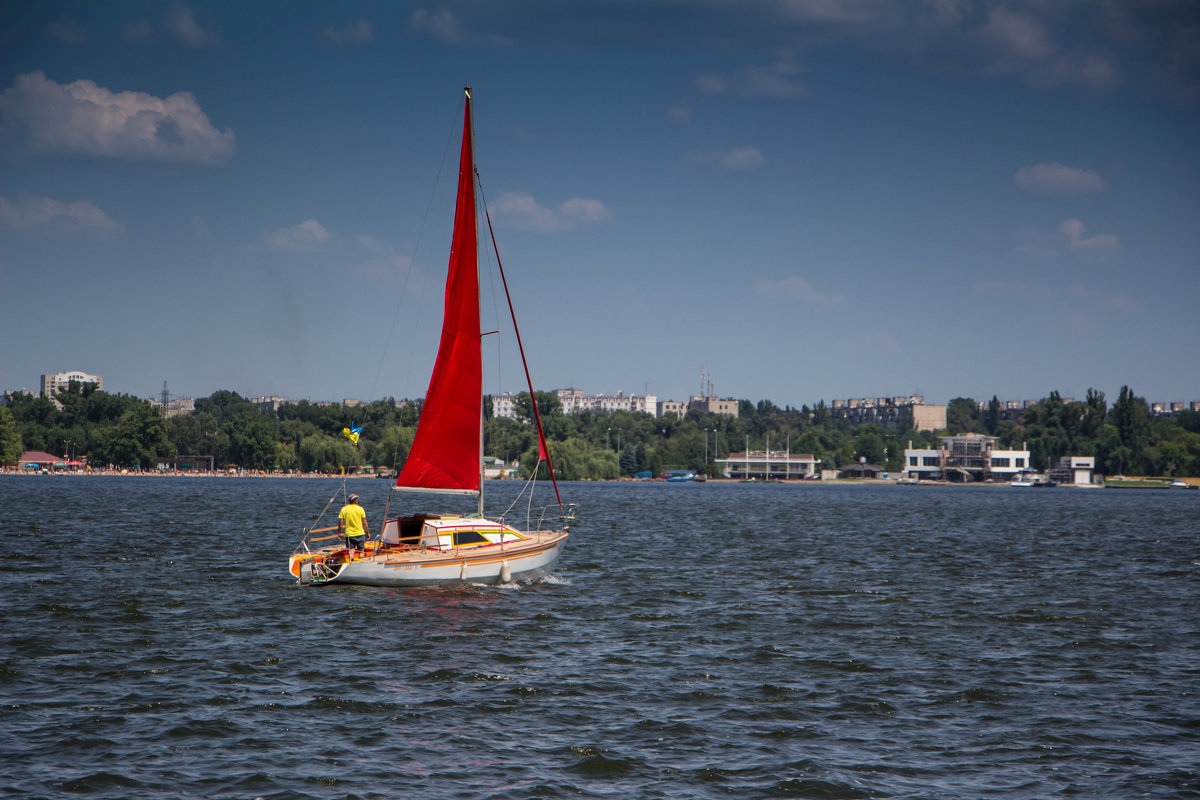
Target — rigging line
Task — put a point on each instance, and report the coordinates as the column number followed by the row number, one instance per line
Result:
column 520, row 494
column 412, row 265
column 543, row 445
column 323, row 510
column 495, row 302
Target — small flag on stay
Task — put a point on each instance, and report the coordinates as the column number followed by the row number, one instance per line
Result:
column 352, row 432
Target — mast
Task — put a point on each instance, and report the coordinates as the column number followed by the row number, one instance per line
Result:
column 470, row 122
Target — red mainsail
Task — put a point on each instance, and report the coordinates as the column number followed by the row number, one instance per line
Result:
column 445, row 452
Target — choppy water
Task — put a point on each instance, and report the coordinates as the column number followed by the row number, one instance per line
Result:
column 695, row 641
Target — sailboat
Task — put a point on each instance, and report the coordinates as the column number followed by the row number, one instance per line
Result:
column 446, row 457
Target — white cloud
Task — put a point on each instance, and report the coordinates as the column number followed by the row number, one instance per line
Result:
column 32, row 213
column 778, row 80
column 739, row 159
column 1021, row 37
column 1073, row 229
column 1066, row 243
column 796, row 288
column 308, row 235
column 358, row 31
column 181, row 23
column 519, row 210
column 444, row 26
column 82, row 118
column 1057, row 179
column 383, row 262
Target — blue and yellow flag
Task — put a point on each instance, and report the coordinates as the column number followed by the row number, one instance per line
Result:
column 352, row 432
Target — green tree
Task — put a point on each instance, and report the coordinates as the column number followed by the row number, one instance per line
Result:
column 285, row 455
column 869, row 445
column 962, row 416
column 11, row 447
column 320, row 452
column 138, row 440
column 252, row 441
column 1131, row 416
column 574, row 459
column 393, row 448
column 628, row 461
column 991, row 420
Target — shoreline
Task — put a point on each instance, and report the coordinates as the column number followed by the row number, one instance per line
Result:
column 1138, row 483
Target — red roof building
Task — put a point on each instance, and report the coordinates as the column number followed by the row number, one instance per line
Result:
column 36, row 458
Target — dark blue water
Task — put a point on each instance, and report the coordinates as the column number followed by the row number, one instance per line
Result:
column 695, row 641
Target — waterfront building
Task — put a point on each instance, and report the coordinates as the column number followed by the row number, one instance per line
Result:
column 499, row 469
column 1077, row 470
column 862, row 470
column 32, row 460
column 972, row 457
column 779, row 465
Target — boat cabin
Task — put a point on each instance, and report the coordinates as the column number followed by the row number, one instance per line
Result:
column 445, row 532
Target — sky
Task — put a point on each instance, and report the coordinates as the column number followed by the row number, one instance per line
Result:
column 793, row 200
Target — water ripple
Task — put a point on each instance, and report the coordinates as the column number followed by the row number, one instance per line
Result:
column 820, row 642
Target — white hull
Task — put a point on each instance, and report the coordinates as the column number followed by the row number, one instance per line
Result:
column 497, row 563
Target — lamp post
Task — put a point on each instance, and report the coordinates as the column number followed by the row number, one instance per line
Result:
column 607, row 446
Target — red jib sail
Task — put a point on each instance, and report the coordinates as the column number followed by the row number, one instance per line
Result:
column 446, row 449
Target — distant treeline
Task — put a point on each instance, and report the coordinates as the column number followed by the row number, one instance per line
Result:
column 123, row 431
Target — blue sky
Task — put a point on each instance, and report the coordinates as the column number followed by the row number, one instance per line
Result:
column 810, row 200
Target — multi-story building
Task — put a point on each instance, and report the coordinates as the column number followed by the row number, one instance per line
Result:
column 713, row 405
column 53, row 382
column 10, row 393
column 1173, row 409
column 889, row 412
column 574, row 400
column 502, row 406
column 775, row 465
column 966, row 458
column 675, row 407
column 269, row 403
column 179, row 405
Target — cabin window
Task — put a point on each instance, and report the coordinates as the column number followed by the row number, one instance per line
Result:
column 469, row 537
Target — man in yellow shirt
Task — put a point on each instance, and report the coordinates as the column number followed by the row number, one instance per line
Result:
column 352, row 524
